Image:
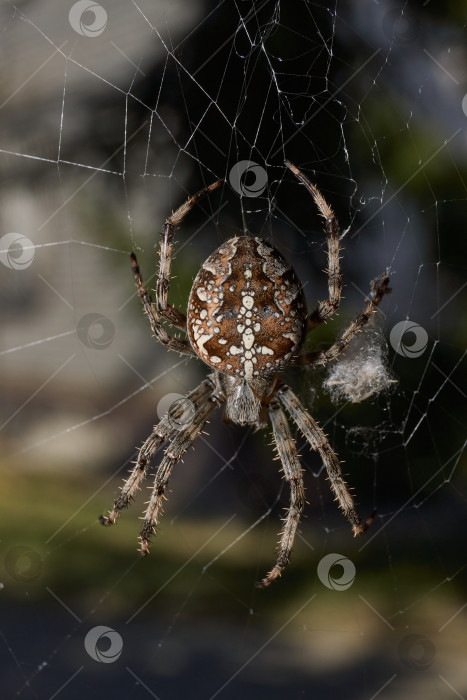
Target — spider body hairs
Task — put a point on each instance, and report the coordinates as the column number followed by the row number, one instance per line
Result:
column 247, row 320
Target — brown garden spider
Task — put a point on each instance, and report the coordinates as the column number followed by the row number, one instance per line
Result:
column 247, row 320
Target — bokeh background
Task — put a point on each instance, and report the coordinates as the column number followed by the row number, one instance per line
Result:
column 112, row 113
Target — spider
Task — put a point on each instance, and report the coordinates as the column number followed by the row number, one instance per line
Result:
column 247, row 320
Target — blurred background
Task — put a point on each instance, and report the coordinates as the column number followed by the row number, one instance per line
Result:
column 113, row 113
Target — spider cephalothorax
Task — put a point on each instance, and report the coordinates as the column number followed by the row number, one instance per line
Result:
column 247, row 320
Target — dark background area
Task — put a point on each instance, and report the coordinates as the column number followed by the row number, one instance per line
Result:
column 102, row 137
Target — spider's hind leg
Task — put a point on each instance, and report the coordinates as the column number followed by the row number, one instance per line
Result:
column 327, row 308
column 170, row 341
column 379, row 287
column 166, row 247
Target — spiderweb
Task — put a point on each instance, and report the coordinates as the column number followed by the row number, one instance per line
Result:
column 113, row 113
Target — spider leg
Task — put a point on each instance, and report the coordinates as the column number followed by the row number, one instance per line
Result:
column 294, row 475
column 169, row 312
column 379, row 287
column 173, row 454
column 169, row 424
column 173, row 343
column 327, row 308
column 318, row 441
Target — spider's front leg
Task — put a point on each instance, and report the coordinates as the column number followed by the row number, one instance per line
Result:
column 173, row 454
column 169, row 424
column 319, row 442
column 293, row 473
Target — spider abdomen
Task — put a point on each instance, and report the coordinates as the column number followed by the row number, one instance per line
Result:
column 246, row 311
